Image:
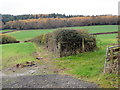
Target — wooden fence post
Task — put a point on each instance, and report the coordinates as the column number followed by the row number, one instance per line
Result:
column 83, row 44
column 106, row 60
column 59, row 48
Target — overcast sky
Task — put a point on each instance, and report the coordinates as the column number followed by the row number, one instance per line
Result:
column 74, row 7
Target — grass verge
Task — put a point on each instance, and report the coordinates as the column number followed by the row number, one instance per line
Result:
column 17, row 53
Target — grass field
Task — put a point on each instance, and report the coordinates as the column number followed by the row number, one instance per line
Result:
column 87, row 66
column 17, row 53
column 4, row 30
column 29, row 34
column 98, row 28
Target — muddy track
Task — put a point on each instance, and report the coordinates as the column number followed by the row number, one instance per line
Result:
column 43, row 74
column 42, row 77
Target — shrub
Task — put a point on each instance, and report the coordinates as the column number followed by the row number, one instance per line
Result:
column 40, row 40
column 65, row 42
column 7, row 39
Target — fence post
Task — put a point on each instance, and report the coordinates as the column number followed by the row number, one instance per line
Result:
column 83, row 45
column 106, row 60
column 59, row 48
column 111, row 56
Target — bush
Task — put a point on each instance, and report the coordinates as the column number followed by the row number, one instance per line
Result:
column 40, row 40
column 7, row 39
column 65, row 42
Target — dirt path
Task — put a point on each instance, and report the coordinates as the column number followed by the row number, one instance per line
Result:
column 45, row 81
column 43, row 74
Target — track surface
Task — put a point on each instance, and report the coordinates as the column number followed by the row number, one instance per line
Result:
column 41, row 77
column 46, row 81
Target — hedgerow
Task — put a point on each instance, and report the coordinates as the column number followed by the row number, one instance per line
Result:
column 65, row 42
column 4, row 38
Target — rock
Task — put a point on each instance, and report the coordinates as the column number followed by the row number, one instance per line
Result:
column 39, row 58
column 21, row 66
column 17, row 65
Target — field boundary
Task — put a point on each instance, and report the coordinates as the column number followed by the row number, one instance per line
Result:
column 104, row 33
column 10, row 31
column 111, row 62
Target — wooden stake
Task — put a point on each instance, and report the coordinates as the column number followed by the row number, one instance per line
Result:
column 83, row 45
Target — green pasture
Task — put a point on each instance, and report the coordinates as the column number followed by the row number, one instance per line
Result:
column 106, row 39
column 98, row 28
column 17, row 53
column 4, row 30
column 28, row 34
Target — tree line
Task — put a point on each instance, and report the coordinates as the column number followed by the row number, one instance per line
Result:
column 47, row 23
column 8, row 17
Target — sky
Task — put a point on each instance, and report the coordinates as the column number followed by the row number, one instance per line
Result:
column 68, row 7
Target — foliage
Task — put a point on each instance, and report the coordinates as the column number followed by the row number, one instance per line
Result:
column 7, row 39
column 39, row 39
column 63, row 41
column 47, row 23
column 71, row 35
column 8, row 17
